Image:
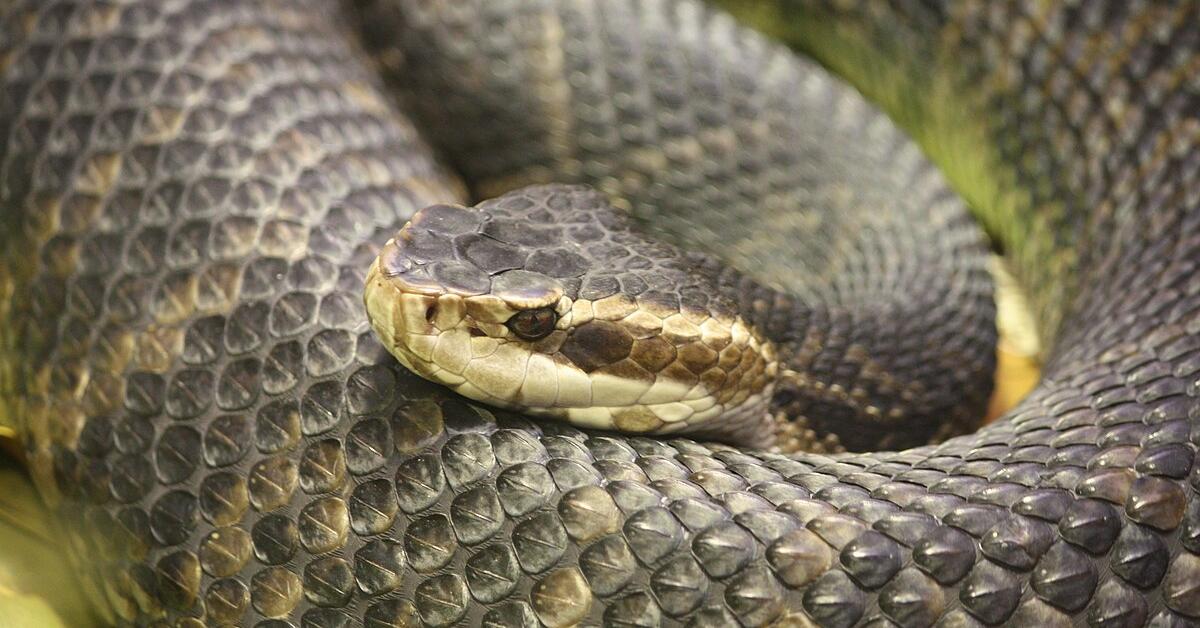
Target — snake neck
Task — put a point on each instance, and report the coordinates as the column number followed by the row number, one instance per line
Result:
column 848, row 381
column 766, row 162
column 981, row 107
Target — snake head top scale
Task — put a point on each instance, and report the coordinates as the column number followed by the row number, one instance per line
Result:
column 546, row 300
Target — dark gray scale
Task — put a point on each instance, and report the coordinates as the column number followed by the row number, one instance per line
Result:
column 750, row 154
column 192, row 191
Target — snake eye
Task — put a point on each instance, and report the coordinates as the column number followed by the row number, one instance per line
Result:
column 533, row 324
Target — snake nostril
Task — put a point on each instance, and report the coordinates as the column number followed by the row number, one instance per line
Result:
column 430, row 312
column 476, row 332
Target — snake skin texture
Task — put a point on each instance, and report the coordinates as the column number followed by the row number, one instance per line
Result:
column 872, row 277
column 191, row 192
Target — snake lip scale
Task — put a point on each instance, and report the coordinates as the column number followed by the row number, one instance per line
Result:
column 194, row 193
column 676, row 357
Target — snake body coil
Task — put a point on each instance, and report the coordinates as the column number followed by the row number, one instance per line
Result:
column 192, row 192
column 807, row 230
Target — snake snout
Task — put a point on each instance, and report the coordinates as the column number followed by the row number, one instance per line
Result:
column 544, row 300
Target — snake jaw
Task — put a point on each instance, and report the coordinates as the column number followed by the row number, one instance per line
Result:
column 483, row 361
column 648, row 362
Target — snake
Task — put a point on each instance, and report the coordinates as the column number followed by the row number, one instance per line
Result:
column 202, row 201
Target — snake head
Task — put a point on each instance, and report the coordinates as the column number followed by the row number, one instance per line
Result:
column 547, row 301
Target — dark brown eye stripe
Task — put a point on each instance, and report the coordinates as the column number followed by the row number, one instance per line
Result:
column 190, row 191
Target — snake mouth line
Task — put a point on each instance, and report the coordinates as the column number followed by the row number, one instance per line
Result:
column 191, row 192
column 528, row 341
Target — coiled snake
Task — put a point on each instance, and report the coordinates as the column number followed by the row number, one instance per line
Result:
column 192, row 193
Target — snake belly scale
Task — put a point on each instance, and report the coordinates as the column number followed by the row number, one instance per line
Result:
column 192, row 193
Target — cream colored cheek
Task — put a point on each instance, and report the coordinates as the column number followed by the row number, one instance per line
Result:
column 673, row 412
column 591, row 417
column 412, row 312
column 699, row 391
column 574, row 386
column 663, row 391
column 402, row 357
column 450, row 312
column 703, row 404
column 615, row 391
column 483, row 346
column 539, row 389
column 501, row 374
column 384, row 307
column 468, row 390
column 442, row 375
column 421, row 345
column 453, row 350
